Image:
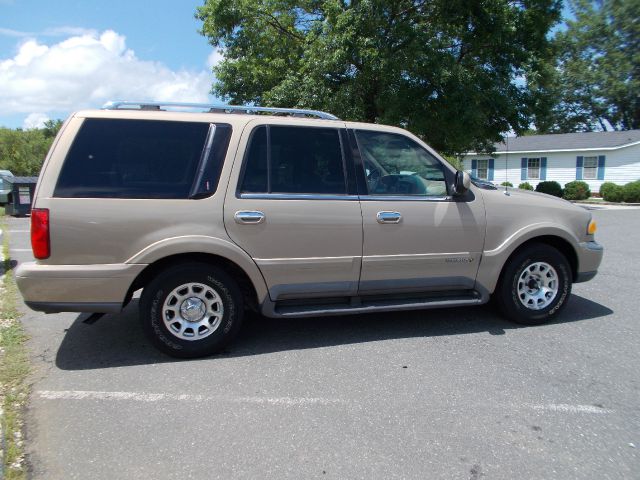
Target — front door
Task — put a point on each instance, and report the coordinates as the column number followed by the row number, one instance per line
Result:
column 292, row 211
column 417, row 238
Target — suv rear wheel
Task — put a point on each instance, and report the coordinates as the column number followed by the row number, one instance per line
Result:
column 191, row 310
column 535, row 285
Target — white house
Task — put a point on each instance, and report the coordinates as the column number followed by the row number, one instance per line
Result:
column 594, row 157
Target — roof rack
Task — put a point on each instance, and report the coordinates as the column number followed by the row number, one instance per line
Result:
column 246, row 109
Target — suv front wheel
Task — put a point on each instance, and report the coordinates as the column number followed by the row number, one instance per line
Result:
column 191, row 310
column 535, row 285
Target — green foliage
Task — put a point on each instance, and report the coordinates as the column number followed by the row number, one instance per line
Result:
column 606, row 186
column 23, row 151
column 550, row 187
column 631, row 192
column 596, row 77
column 51, row 128
column 14, row 369
column 613, row 193
column 576, row 190
column 444, row 69
column 454, row 161
column 525, row 186
column 507, row 184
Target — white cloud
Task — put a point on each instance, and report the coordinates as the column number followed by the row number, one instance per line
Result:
column 215, row 58
column 34, row 120
column 66, row 31
column 8, row 32
column 63, row 31
column 86, row 70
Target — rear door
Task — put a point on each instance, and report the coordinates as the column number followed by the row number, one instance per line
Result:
column 292, row 206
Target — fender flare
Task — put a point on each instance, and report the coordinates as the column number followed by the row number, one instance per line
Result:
column 493, row 261
column 203, row 244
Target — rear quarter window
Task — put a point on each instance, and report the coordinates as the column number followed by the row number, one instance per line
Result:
column 114, row 158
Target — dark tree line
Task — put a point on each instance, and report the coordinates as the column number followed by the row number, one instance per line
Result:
column 23, row 151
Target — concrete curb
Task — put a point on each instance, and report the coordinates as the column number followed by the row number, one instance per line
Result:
column 616, row 204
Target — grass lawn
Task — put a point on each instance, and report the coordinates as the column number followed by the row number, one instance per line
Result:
column 14, row 368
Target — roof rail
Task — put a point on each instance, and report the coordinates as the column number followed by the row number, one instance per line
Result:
column 248, row 109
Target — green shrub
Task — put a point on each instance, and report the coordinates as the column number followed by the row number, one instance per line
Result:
column 631, row 192
column 613, row 193
column 576, row 190
column 507, row 184
column 606, row 186
column 525, row 186
column 550, row 187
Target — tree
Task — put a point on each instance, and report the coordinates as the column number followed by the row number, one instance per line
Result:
column 23, row 151
column 52, row 127
column 444, row 69
column 597, row 83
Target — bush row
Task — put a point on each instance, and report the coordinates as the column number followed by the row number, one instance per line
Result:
column 629, row 193
column 579, row 190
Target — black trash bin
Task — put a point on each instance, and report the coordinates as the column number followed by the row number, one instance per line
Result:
column 20, row 196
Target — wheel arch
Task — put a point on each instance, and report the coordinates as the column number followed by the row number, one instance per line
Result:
column 559, row 243
column 251, row 294
column 490, row 277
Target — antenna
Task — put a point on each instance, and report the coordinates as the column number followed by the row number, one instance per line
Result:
column 506, row 165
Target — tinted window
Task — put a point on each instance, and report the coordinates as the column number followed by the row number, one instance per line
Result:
column 133, row 159
column 396, row 165
column 255, row 177
column 300, row 160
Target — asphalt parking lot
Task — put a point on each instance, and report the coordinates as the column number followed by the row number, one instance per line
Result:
column 456, row 393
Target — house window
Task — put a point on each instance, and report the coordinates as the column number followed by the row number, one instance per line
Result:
column 533, row 168
column 590, row 168
column 483, row 169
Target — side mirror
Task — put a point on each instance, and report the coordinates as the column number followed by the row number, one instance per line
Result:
column 461, row 183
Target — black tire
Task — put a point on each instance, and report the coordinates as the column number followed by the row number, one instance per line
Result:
column 508, row 297
column 152, row 304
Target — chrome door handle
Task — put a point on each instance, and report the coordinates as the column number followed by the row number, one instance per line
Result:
column 249, row 217
column 389, row 217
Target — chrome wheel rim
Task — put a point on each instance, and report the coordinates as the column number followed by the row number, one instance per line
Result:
column 538, row 286
column 192, row 311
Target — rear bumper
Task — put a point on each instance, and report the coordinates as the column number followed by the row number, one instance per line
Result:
column 589, row 259
column 75, row 288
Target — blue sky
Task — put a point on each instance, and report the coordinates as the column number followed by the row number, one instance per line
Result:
column 60, row 55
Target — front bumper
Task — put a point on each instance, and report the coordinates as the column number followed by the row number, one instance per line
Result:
column 75, row 288
column 589, row 259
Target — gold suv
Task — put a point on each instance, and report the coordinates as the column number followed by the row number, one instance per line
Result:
column 289, row 212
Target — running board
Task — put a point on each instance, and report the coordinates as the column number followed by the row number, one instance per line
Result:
column 372, row 304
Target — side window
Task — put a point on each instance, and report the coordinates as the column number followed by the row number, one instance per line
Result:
column 256, row 170
column 590, row 168
column 113, row 158
column 533, row 167
column 306, row 160
column 483, row 169
column 396, row 165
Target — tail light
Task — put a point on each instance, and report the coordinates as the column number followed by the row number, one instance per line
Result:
column 40, row 240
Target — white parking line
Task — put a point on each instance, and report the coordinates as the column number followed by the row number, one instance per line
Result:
column 281, row 401
column 19, row 231
column 20, row 249
column 155, row 397
column 563, row 407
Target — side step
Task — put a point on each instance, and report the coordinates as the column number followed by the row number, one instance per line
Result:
column 346, row 306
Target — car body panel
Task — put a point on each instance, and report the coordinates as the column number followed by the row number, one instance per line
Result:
column 436, row 245
column 307, row 245
column 4, row 187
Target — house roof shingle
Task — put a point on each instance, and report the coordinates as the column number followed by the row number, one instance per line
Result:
column 569, row 141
